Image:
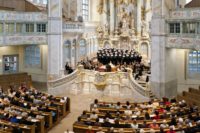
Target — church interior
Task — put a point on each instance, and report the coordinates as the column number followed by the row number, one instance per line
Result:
column 99, row 66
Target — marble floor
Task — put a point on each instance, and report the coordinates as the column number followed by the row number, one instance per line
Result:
column 82, row 102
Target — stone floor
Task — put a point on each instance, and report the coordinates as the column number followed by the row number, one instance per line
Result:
column 82, row 102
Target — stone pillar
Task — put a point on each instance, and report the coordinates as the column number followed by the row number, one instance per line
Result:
column 138, row 17
column 148, row 13
column 70, row 55
column 55, row 43
column 163, row 63
column 89, row 47
column 77, row 51
column 87, row 51
column 104, row 15
column 112, row 21
column 75, row 58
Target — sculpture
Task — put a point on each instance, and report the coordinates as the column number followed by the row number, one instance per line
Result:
column 144, row 29
column 100, row 7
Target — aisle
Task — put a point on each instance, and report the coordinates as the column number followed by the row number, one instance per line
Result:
column 78, row 104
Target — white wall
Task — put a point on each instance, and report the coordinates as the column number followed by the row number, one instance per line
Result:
column 94, row 15
column 38, row 74
column 181, row 68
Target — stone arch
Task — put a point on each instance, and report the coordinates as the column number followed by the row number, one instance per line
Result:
column 82, row 43
column 144, row 49
column 67, row 51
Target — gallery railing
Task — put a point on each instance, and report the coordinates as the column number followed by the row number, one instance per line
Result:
column 80, row 74
column 63, row 80
column 75, row 27
column 134, row 85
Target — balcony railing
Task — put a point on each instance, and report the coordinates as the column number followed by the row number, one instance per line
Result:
column 74, row 27
column 23, row 16
column 183, row 42
column 185, row 13
column 22, row 39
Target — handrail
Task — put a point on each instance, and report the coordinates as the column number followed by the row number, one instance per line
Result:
column 133, row 84
column 143, row 91
column 63, row 80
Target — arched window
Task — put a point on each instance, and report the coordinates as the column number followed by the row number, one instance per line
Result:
column 67, row 51
column 32, row 56
column 82, row 49
column 194, row 62
column 85, row 9
column 144, row 49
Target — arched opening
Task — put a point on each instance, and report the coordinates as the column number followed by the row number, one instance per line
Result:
column 67, row 52
column 144, row 50
column 82, row 49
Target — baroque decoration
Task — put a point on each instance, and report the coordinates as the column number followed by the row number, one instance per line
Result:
column 124, row 33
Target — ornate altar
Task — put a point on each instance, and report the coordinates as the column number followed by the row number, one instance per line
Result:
column 124, row 34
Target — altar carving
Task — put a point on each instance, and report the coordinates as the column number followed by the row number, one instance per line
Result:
column 123, row 35
column 100, row 80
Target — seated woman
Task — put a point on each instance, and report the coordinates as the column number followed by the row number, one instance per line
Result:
column 154, row 125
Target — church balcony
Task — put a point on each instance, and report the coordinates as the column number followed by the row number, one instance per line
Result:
column 17, row 28
column 6, row 40
column 73, row 27
column 13, row 16
column 183, row 29
column 185, row 14
column 184, row 41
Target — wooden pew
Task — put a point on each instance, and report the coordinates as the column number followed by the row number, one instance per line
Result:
column 14, row 79
column 25, row 128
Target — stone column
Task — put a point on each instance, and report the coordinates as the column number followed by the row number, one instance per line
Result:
column 77, row 51
column 89, row 47
column 86, row 45
column 70, row 49
column 138, row 17
column 55, row 43
column 104, row 15
column 163, row 63
column 112, row 21
column 148, row 13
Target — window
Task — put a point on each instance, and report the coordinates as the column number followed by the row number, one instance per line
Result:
column 29, row 27
column 82, row 49
column 85, row 8
column 41, row 27
column 1, row 27
column 67, row 51
column 189, row 27
column 194, row 62
column 10, row 63
column 32, row 56
column 19, row 28
column 174, row 28
column 9, row 27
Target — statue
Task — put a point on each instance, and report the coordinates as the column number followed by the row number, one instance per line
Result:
column 144, row 29
column 106, row 30
column 124, row 24
column 100, row 31
column 100, row 7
